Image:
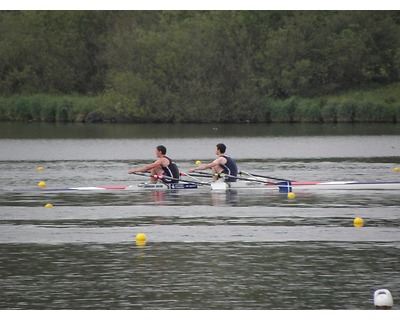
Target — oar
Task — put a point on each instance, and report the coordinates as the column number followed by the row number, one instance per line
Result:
column 178, row 179
column 260, row 176
column 144, row 174
column 284, row 186
column 201, row 174
column 168, row 177
column 223, row 175
column 193, row 176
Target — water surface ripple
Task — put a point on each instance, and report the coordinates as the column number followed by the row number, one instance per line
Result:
column 247, row 249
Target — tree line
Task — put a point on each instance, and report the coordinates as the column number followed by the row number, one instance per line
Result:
column 194, row 66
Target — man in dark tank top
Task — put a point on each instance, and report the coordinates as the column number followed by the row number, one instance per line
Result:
column 223, row 164
column 163, row 166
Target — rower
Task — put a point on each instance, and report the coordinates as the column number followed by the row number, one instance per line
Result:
column 223, row 164
column 163, row 166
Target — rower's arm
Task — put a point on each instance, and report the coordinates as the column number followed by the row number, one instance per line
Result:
column 216, row 162
column 147, row 167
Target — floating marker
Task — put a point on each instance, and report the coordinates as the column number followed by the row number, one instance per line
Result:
column 140, row 239
column 291, row 195
column 42, row 184
column 396, row 169
column 358, row 222
column 48, row 205
column 40, row 168
column 198, row 162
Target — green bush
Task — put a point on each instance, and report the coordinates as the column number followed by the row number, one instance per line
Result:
column 308, row 110
column 378, row 105
column 282, row 110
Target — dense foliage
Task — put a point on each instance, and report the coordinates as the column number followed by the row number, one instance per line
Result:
column 195, row 66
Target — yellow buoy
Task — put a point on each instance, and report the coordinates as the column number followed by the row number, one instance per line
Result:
column 42, row 184
column 396, row 169
column 48, row 205
column 198, row 162
column 40, row 168
column 358, row 222
column 291, row 195
column 140, row 237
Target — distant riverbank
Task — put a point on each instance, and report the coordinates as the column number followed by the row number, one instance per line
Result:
column 375, row 105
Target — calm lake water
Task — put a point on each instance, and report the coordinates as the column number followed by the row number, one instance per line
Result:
column 204, row 250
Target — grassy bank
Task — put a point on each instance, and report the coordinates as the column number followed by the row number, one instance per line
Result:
column 47, row 108
column 377, row 105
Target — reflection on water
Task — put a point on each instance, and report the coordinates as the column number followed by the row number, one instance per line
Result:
column 202, row 276
column 204, row 197
column 18, row 130
column 242, row 249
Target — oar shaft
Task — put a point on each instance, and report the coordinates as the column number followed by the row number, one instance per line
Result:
column 145, row 174
column 204, row 173
column 199, row 174
column 261, row 176
column 222, row 175
column 183, row 174
column 168, row 177
column 178, row 179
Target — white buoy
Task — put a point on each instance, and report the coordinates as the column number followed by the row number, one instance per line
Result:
column 383, row 299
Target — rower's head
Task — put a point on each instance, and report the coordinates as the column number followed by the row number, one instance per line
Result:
column 221, row 148
column 383, row 299
column 161, row 150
